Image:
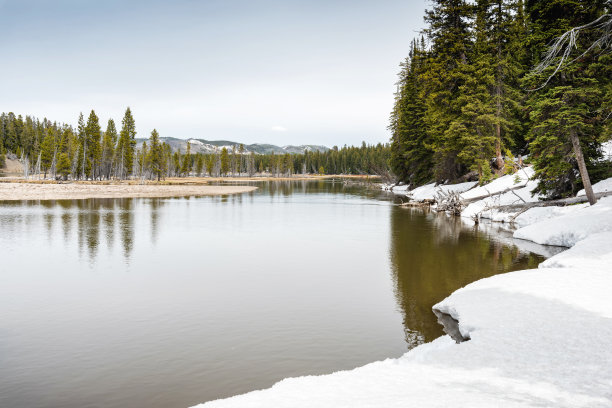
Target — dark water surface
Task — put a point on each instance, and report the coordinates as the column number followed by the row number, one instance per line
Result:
column 172, row 302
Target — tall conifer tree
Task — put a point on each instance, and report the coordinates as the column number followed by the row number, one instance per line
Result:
column 126, row 145
column 94, row 151
column 109, row 141
column 567, row 124
column 449, row 33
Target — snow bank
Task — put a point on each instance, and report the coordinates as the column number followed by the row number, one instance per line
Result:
column 537, row 214
column 430, row 191
column 531, row 216
column 589, row 253
column 568, row 229
column 601, row 187
column 469, row 190
column 538, row 337
column 400, row 190
column 482, row 207
column 520, row 178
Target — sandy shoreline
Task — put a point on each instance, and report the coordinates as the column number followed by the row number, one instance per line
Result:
column 73, row 191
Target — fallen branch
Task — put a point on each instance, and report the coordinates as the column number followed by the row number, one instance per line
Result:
column 552, row 203
column 481, row 197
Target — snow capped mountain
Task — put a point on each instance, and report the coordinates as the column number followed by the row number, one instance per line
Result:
column 215, row 146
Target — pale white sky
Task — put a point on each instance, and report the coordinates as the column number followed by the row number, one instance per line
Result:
column 281, row 72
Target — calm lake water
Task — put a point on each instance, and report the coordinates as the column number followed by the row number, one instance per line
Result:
column 173, row 302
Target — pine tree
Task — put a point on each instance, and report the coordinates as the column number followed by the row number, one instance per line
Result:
column 241, row 160
column 176, row 163
column 210, row 164
column 156, row 157
column 567, row 123
column 506, row 33
column 474, row 129
column 64, row 165
column 2, row 155
column 94, row 151
column 126, row 145
column 82, row 139
column 186, row 163
column 199, row 164
column 225, row 163
column 449, row 32
column 489, row 103
column 46, row 157
column 411, row 155
column 108, row 148
column 11, row 136
column 142, row 160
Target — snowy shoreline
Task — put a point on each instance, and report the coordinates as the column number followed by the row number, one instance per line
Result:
column 538, row 337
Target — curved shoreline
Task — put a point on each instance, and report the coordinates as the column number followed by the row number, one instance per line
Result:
column 536, row 338
column 78, row 191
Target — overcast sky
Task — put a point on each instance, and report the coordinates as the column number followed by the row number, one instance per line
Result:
column 281, row 72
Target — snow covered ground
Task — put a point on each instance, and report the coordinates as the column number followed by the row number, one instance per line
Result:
column 520, row 178
column 519, row 184
column 517, row 196
column 578, row 223
column 538, row 338
column 506, row 190
column 429, row 191
column 601, row 187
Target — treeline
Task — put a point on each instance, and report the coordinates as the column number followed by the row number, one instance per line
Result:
column 366, row 159
column 469, row 101
column 86, row 152
column 49, row 149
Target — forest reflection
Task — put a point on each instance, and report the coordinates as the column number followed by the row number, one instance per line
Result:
column 435, row 255
column 109, row 222
column 90, row 223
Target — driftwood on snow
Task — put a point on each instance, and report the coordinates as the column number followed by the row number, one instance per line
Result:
column 481, row 197
column 449, row 202
column 552, row 203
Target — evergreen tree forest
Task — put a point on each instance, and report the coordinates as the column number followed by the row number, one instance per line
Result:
column 470, row 103
column 93, row 152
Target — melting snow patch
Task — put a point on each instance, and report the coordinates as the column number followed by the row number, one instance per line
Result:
column 430, row 191
column 601, row 187
column 500, row 184
column 578, row 223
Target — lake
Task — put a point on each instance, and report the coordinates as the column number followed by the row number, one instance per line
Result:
column 172, row 302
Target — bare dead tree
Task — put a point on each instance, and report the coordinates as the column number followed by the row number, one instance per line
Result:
column 561, row 49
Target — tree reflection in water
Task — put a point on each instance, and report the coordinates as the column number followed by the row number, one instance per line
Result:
column 435, row 255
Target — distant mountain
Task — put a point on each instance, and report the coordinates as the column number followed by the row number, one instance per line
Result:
column 215, row 146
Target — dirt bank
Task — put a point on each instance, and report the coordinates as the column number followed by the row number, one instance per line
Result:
column 71, row 191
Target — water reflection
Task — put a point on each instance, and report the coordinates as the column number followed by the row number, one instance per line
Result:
column 109, row 224
column 94, row 218
column 126, row 219
column 434, row 255
column 218, row 296
column 155, row 205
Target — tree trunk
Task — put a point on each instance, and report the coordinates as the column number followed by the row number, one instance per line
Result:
column 499, row 160
column 586, row 181
column 498, row 97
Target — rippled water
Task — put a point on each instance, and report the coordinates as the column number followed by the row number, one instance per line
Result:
column 172, row 302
